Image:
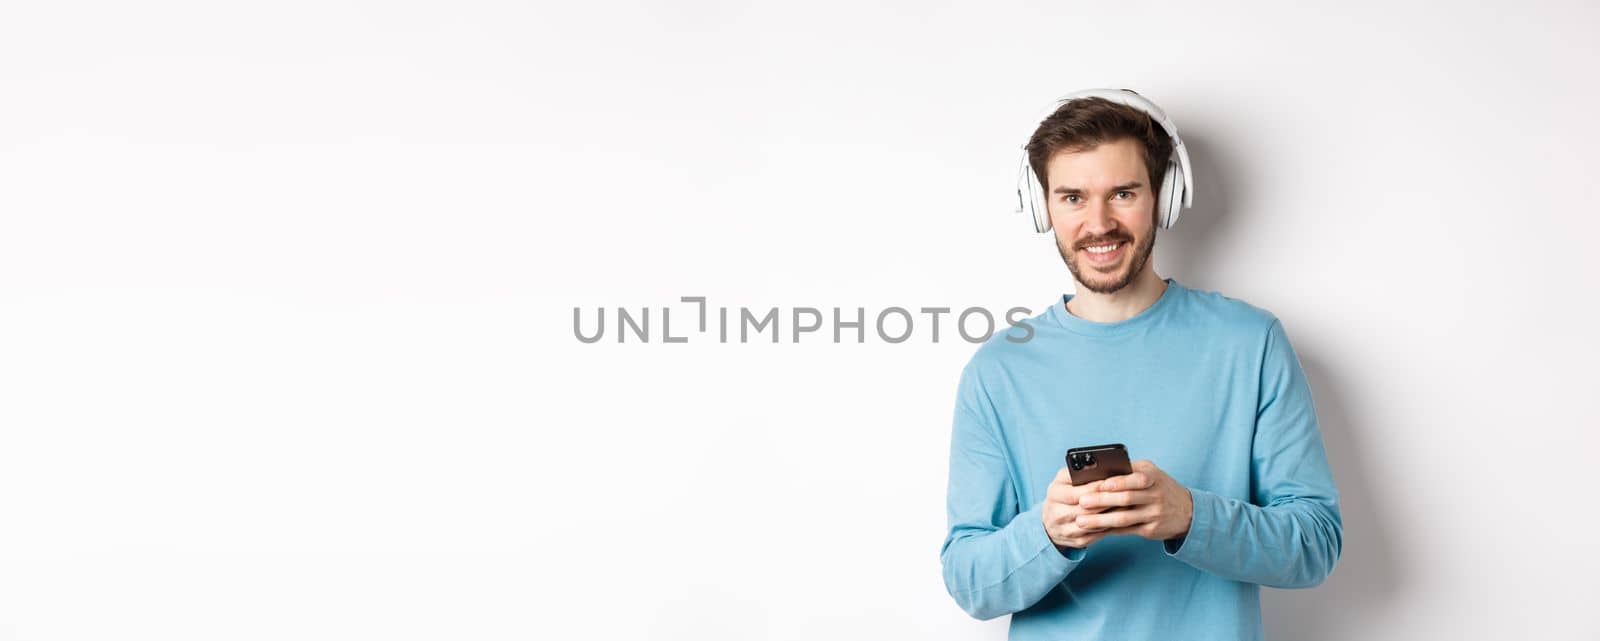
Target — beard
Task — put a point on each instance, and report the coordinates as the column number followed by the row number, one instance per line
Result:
column 1101, row 282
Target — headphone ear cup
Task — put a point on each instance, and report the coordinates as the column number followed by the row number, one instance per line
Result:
column 1030, row 197
column 1171, row 198
column 1036, row 203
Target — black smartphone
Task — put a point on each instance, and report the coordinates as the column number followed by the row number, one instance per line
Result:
column 1096, row 462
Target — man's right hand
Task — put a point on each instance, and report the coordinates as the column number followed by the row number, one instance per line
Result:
column 1061, row 512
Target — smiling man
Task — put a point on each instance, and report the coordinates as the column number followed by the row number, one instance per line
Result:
column 1231, row 490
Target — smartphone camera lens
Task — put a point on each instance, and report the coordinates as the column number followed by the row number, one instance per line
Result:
column 1081, row 460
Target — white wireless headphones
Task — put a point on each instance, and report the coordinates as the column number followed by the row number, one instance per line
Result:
column 1177, row 188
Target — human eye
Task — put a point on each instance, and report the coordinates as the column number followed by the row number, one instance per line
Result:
column 1124, row 194
column 1071, row 198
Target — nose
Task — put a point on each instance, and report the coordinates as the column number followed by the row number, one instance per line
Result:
column 1097, row 220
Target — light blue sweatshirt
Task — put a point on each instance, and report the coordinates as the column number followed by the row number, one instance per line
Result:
column 1208, row 389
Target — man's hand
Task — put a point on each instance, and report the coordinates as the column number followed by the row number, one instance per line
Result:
column 1158, row 507
column 1061, row 509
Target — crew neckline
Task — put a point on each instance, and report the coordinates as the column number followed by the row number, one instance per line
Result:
column 1064, row 318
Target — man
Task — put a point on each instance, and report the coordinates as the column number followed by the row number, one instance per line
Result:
column 1231, row 489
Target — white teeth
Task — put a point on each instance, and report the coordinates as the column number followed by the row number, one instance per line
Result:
column 1102, row 248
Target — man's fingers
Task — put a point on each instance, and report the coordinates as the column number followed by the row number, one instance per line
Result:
column 1134, row 481
column 1101, row 499
column 1075, row 492
column 1087, row 539
column 1110, row 520
column 1063, row 491
column 1131, row 529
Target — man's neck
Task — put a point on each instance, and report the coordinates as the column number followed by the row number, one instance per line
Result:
column 1119, row 305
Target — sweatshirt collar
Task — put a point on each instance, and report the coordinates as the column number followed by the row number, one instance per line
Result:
column 1065, row 319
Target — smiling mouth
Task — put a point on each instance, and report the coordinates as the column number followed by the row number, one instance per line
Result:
column 1105, row 253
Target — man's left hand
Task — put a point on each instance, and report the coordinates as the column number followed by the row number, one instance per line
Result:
column 1158, row 507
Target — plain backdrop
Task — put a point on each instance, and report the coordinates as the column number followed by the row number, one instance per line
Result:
column 287, row 289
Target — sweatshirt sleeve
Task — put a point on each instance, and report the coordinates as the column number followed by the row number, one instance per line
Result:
column 997, row 559
column 1290, row 533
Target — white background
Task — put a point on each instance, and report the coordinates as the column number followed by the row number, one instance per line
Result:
column 286, row 297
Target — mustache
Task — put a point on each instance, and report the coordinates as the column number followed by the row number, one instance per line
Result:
column 1103, row 240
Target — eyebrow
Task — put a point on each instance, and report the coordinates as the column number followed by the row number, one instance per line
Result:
column 1114, row 189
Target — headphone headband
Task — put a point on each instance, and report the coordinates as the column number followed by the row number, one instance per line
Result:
column 1030, row 192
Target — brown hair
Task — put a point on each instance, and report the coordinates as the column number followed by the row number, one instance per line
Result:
column 1084, row 123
